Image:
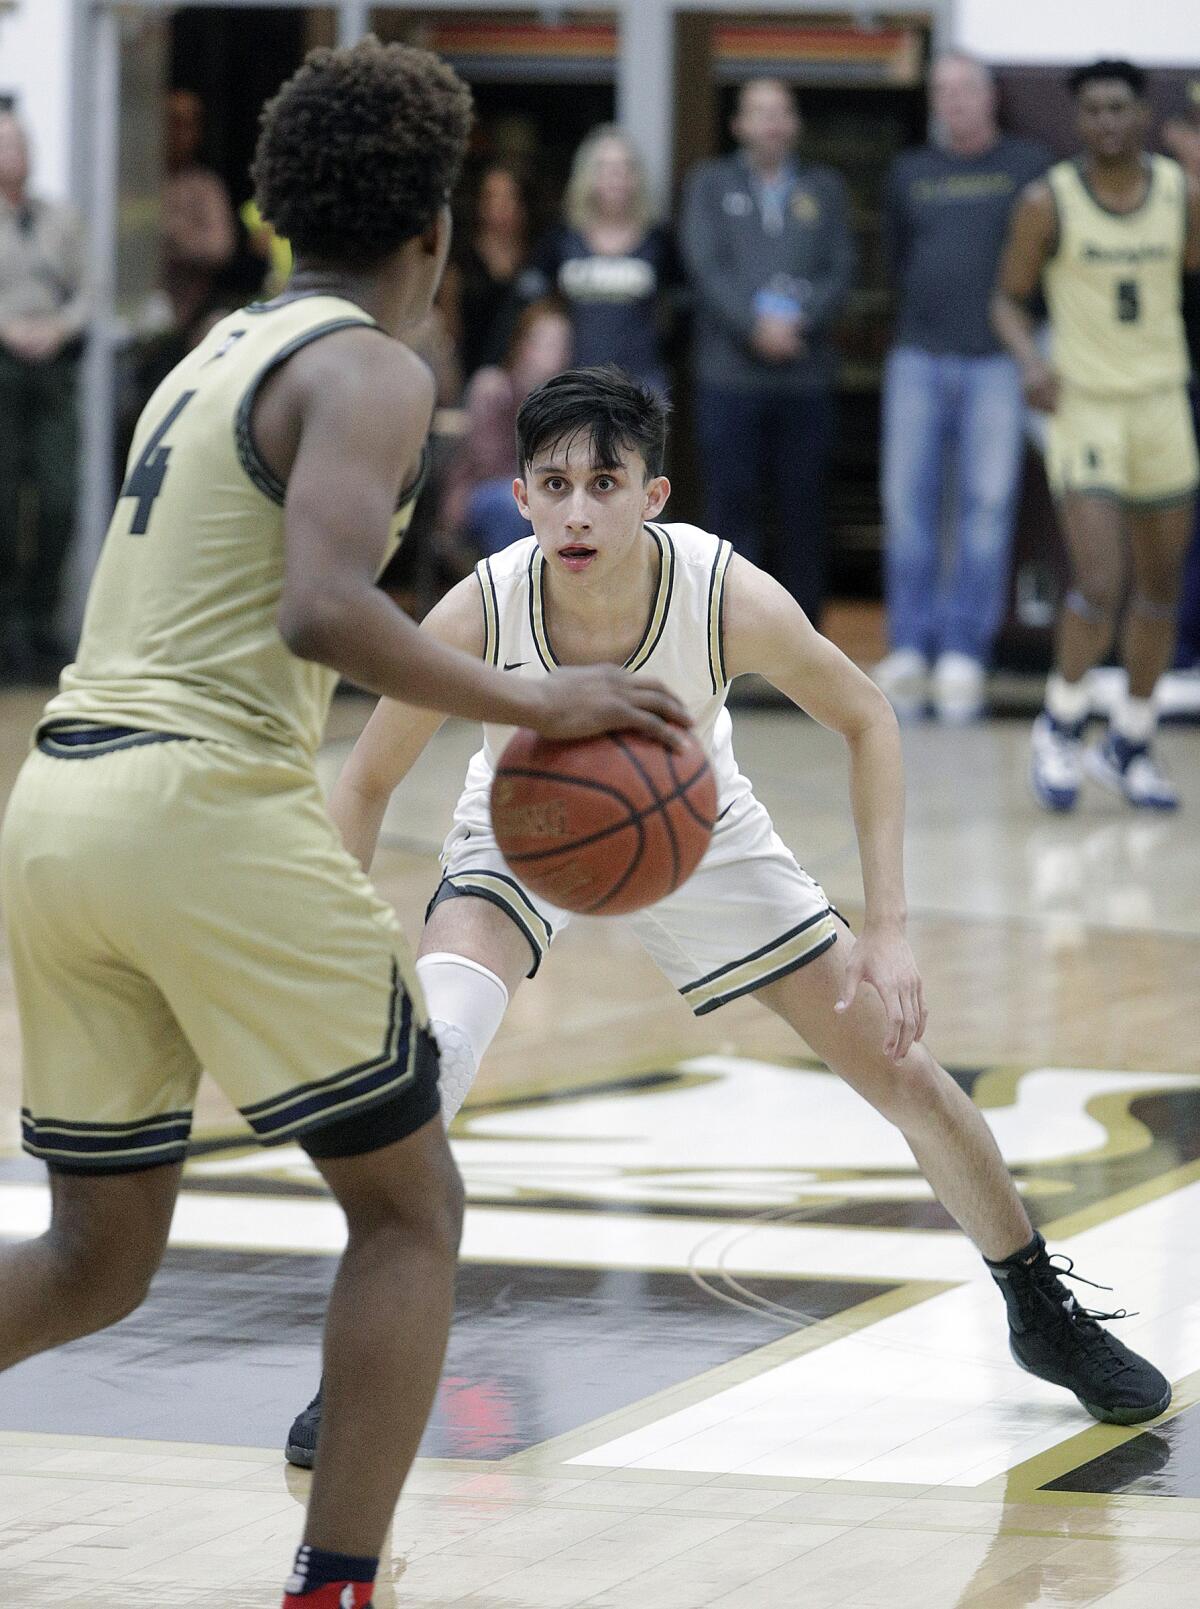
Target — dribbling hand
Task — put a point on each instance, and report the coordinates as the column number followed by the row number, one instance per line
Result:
column 581, row 701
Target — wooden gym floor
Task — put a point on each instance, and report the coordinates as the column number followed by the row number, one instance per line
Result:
column 716, row 1345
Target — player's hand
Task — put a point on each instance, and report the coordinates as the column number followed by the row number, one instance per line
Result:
column 581, row 701
column 881, row 957
column 1041, row 386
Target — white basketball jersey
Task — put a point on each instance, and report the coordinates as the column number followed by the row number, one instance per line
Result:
column 680, row 647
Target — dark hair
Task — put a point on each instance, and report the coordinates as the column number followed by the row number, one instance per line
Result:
column 1102, row 71
column 604, row 403
column 359, row 150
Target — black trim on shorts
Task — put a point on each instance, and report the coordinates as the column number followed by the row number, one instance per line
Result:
column 69, row 1146
column 386, row 1121
column 447, row 889
column 755, row 955
column 75, row 740
column 771, row 977
column 360, row 1088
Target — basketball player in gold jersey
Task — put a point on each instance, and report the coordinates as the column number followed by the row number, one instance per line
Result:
column 1109, row 236
column 175, row 893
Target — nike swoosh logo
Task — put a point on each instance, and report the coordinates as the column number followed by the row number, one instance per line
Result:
column 514, row 664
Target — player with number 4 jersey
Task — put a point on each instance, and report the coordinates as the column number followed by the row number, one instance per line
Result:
column 176, row 894
column 1109, row 236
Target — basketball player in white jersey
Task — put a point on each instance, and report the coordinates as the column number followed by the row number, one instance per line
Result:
column 604, row 580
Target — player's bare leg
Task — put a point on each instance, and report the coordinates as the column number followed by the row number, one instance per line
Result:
column 1159, row 540
column 385, row 1332
column 481, row 932
column 472, row 958
column 93, row 1265
column 945, row 1130
column 1050, row 1335
column 1094, row 531
column 1125, row 762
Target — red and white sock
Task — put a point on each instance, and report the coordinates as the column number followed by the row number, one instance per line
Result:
column 321, row 1580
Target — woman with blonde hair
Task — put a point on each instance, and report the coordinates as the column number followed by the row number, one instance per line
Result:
column 612, row 264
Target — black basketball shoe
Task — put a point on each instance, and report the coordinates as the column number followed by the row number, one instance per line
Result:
column 301, row 1445
column 1050, row 1335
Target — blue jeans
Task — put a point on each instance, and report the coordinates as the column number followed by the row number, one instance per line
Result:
column 494, row 521
column 751, row 440
column 949, row 421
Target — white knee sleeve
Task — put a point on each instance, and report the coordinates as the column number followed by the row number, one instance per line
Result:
column 466, row 1004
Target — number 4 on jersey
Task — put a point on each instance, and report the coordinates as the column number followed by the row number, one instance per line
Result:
column 147, row 475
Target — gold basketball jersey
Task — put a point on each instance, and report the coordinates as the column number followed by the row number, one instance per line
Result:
column 180, row 630
column 1114, row 285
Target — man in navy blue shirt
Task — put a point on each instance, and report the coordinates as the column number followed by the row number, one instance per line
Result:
column 767, row 243
column 952, row 405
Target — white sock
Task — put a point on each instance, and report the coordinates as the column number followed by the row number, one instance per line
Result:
column 1135, row 719
column 466, row 1004
column 1068, row 703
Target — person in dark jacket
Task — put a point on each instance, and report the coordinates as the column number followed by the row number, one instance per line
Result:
column 767, row 242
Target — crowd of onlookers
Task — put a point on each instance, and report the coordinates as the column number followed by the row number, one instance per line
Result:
column 740, row 294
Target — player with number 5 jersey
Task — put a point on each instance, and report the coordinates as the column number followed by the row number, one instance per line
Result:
column 1109, row 236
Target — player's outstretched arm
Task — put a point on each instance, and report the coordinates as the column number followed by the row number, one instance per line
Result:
column 767, row 632
column 343, row 425
column 393, row 739
column 1032, row 241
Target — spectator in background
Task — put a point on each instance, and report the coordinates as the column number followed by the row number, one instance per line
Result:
column 613, row 266
column 953, row 412
column 199, row 230
column 479, row 296
column 768, row 248
column 43, row 314
column 477, row 506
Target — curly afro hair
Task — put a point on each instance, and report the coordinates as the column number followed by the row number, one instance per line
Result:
column 359, row 150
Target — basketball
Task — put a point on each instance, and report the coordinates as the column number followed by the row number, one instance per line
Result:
column 606, row 825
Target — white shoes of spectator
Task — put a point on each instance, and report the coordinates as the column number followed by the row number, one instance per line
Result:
column 956, row 686
column 903, row 676
column 958, row 689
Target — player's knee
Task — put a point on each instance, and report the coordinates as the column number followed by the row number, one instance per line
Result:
column 913, row 1091
column 420, row 1205
column 108, row 1276
column 457, row 1066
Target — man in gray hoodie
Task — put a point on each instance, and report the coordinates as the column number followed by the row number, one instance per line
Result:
column 768, row 248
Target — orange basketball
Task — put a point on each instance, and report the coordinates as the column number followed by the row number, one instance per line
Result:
column 605, row 825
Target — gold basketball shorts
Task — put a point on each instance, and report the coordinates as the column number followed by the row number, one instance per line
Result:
column 1140, row 450
column 176, row 904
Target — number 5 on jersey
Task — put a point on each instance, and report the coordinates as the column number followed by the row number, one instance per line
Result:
column 147, row 475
